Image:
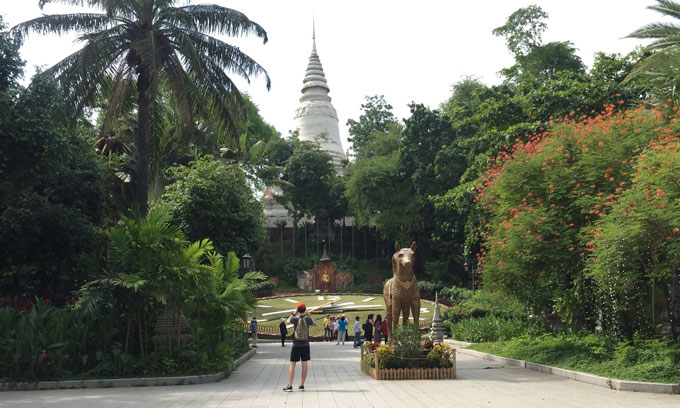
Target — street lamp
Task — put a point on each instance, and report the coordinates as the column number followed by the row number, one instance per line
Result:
column 247, row 261
column 472, row 278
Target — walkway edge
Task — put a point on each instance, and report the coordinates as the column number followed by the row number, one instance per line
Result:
column 612, row 383
column 124, row 382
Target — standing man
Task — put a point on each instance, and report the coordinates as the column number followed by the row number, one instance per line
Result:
column 357, row 333
column 300, row 350
column 284, row 331
column 253, row 331
column 342, row 330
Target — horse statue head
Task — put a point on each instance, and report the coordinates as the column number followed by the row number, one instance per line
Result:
column 402, row 262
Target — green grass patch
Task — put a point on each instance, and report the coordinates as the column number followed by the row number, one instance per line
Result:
column 641, row 360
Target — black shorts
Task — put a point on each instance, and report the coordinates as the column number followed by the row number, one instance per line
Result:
column 298, row 353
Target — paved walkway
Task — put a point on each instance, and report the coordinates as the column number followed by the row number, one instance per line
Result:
column 335, row 380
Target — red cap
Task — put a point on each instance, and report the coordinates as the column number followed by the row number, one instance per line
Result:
column 301, row 306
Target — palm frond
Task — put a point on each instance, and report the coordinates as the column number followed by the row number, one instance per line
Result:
column 225, row 56
column 119, row 101
column 213, row 18
column 667, row 7
column 63, row 23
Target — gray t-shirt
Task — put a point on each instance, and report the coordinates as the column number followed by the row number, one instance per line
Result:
column 294, row 321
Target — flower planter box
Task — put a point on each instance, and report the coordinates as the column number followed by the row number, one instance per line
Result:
column 407, row 373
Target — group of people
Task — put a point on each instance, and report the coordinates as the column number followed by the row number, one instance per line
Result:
column 335, row 328
column 374, row 330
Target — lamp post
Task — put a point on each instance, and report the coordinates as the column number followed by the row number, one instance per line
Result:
column 246, row 261
column 472, row 278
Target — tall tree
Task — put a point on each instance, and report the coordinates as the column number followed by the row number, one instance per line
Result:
column 377, row 116
column 136, row 47
column 523, row 29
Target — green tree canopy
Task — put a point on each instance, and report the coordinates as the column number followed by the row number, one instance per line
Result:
column 377, row 116
column 523, row 29
column 309, row 175
column 52, row 193
column 211, row 199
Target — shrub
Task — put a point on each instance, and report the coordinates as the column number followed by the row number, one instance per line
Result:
column 494, row 328
column 456, row 294
column 43, row 341
column 484, row 303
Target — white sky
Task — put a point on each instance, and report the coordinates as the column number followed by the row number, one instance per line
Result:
column 406, row 50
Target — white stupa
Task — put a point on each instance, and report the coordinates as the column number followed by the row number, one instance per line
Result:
column 316, row 119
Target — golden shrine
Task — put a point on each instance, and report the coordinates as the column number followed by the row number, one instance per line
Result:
column 325, row 277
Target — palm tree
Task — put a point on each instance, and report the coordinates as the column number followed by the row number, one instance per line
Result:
column 661, row 67
column 135, row 48
column 665, row 35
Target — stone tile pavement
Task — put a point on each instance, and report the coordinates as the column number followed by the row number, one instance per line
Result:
column 335, row 380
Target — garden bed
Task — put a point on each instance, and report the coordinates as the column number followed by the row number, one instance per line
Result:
column 370, row 364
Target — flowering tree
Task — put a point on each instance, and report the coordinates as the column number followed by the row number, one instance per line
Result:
column 544, row 201
column 638, row 242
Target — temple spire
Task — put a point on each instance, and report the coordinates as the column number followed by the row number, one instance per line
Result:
column 316, row 119
column 313, row 35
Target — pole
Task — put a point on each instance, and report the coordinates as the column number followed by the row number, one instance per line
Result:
column 343, row 221
column 377, row 257
column 365, row 254
column 281, row 238
column 318, row 254
column 329, row 234
column 305, row 239
column 653, row 323
column 353, row 240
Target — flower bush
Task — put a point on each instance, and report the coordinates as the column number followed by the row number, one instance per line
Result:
column 408, row 351
column 544, row 202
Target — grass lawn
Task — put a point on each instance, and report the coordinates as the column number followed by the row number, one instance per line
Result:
column 646, row 360
column 267, row 315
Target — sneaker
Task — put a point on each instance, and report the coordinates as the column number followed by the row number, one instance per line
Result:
column 301, row 388
column 288, row 388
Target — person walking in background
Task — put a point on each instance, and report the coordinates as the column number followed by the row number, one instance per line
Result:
column 300, row 350
column 284, row 331
column 342, row 330
column 384, row 329
column 253, row 331
column 368, row 328
column 327, row 328
column 377, row 333
column 357, row 332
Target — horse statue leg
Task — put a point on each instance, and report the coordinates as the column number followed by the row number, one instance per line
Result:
column 406, row 309
column 389, row 308
column 415, row 308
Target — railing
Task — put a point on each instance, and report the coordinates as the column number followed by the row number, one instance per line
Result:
column 442, row 301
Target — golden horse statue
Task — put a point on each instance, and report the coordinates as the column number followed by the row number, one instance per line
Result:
column 401, row 293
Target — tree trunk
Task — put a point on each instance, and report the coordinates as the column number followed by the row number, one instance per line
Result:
column 141, row 335
column 143, row 136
